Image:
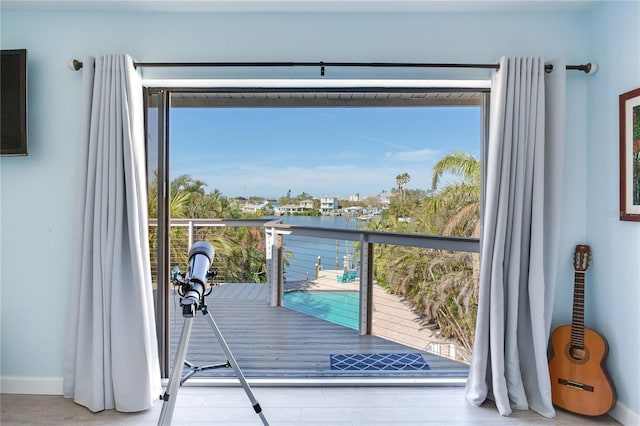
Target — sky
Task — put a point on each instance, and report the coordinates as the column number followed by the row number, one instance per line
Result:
column 321, row 151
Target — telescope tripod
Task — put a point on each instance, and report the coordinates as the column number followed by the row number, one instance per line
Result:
column 176, row 380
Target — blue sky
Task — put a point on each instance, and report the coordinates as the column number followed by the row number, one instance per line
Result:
column 321, row 151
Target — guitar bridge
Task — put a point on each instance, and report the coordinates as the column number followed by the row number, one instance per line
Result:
column 575, row 385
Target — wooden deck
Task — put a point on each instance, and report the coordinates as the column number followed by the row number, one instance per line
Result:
column 279, row 342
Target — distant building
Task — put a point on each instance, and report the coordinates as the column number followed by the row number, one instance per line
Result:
column 385, row 200
column 328, row 205
column 306, row 204
column 254, row 208
column 288, row 209
column 353, row 211
column 354, row 198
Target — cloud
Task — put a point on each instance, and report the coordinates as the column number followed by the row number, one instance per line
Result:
column 377, row 141
column 419, row 155
column 348, row 155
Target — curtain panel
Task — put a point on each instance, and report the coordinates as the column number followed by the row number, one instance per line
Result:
column 111, row 355
column 520, row 236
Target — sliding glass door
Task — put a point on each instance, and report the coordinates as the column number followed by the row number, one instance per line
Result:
column 404, row 162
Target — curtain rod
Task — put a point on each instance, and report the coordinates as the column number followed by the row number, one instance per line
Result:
column 76, row 65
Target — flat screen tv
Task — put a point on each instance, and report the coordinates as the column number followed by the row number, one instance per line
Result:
column 13, row 102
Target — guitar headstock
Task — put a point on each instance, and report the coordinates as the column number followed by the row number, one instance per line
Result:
column 582, row 258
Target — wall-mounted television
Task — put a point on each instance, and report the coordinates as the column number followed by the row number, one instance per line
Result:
column 13, row 102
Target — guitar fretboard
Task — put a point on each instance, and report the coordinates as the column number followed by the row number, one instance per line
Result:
column 577, row 320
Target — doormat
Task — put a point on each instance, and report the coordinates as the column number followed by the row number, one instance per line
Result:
column 388, row 362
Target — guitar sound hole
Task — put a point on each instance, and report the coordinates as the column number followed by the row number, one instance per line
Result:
column 578, row 354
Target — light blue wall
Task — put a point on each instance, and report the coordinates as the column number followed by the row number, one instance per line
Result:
column 39, row 191
column 613, row 284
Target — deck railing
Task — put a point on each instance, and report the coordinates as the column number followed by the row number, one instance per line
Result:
column 279, row 241
column 276, row 231
column 184, row 232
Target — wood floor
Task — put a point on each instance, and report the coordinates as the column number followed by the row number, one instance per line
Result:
column 279, row 342
column 326, row 406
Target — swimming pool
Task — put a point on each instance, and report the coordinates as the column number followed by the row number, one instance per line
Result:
column 339, row 307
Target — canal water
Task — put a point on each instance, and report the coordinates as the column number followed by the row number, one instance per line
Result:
column 306, row 250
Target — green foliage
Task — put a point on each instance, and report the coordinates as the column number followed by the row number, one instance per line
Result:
column 440, row 285
column 636, row 123
column 240, row 252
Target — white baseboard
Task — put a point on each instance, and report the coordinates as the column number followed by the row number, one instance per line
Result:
column 625, row 415
column 31, row 385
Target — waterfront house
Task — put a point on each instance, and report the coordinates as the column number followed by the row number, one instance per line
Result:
column 286, row 209
column 328, row 204
column 306, row 204
column 253, row 208
column 353, row 211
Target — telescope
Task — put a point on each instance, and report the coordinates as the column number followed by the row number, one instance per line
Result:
column 192, row 292
column 192, row 288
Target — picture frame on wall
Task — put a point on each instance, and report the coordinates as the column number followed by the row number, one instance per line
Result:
column 630, row 155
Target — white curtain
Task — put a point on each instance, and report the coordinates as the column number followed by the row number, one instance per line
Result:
column 519, row 252
column 111, row 356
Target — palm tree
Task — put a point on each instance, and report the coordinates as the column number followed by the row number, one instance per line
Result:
column 455, row 274
column 239, row 253
column 178, row 199
column 439, row 284
column 401, row 181
column 178, row 206
column 458, row 201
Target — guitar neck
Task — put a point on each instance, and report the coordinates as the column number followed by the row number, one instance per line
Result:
column 577, row 320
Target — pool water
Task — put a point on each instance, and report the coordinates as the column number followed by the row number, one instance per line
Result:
column 339, row 307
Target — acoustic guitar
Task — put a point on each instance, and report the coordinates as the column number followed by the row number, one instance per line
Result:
column 579, row 381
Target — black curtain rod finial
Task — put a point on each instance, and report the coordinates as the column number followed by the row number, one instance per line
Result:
column 588, row 68
column 74, row 65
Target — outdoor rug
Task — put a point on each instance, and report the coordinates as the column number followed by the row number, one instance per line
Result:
column 388, row 362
